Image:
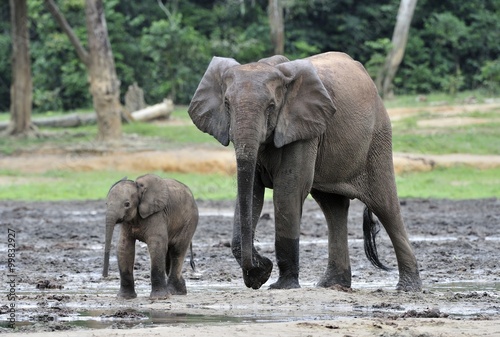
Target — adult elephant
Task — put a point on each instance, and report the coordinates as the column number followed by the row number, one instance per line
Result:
column 317, row 126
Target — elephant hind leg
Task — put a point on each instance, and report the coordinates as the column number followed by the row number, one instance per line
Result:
column 176, row 285
column 335, row 208
column 384, row 203
column 380, row 196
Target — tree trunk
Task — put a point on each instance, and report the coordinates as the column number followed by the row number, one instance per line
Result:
column 275, row 12
column 21, row 91
column 395, row 56
column 104, row 83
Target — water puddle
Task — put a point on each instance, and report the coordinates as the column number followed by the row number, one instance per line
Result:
column 465, row 286
column 128, row 318
column 79, row 316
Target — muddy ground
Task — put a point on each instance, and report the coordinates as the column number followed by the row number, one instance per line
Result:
column 58, row 283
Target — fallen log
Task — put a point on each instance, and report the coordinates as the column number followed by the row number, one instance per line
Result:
column 160, row 110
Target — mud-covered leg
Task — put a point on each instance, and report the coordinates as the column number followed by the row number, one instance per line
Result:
column 176, row 285
column 158, row 253
column 288, row 212
column 126, row 258
column 391, row 219
column 263, row 266
column 291, row 187
column 335, row 208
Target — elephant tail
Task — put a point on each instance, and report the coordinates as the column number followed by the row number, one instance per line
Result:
column 191, row 258
column 370, row 231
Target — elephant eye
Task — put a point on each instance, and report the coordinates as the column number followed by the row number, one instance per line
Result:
column 127, row 204
column 270, row 108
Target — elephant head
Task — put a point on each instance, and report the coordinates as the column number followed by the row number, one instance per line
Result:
column 121, row 206
column 273, row 101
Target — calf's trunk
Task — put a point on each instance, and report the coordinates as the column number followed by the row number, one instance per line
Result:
column 110, row 225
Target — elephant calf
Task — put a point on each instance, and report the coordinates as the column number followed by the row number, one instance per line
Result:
column 163, row 214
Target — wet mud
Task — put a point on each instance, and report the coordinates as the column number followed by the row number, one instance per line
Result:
column 59, row 252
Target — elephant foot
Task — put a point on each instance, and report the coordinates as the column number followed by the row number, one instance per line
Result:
column 331, row 279
column 127, row 294
column 255, row 277
column 286, row 282
column 159, row 294
column 410, row 282
column 176, row 287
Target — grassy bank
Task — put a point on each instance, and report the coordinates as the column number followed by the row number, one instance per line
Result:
column 409, row 136
column 453, row 183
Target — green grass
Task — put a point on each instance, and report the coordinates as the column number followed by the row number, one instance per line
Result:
column 170, row 134
column 478, row 139
column 473, row 139
column 68, row 185
column 452, row 183
column 411, row 101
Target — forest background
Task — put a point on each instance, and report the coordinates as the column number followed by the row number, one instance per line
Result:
column 452, row 45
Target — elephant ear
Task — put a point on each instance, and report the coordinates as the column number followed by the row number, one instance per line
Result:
column 207, row 108
column 154, row 196
column 307, row 105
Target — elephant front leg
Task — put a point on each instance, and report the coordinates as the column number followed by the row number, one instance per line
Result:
column 287, row 244
column 126, row 258
column 158, row 254
column 292, row 184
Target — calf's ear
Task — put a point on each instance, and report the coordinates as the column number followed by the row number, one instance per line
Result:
column 153, row 195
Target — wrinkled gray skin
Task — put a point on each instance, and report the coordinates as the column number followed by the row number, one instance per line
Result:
column 317, row 126
column 163, row 214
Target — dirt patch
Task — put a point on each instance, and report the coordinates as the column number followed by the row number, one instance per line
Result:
column 452, row 122
column 195, row 160
column 443, row 110
column 59, row 285
column 139, row 154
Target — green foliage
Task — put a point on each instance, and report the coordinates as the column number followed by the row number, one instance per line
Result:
column 5, row 56
column 379, row 50
column 449, row 42
column 490, row 76
column 177, row 54
column 453, row 45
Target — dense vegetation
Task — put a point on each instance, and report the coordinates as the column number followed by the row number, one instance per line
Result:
column 453, row 44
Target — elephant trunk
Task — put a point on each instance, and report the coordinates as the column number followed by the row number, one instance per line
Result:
column 110, row 225
column 246, row 158
column 245, row 179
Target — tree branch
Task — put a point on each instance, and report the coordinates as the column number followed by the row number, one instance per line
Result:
column 61, row 20
column 170, row 14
